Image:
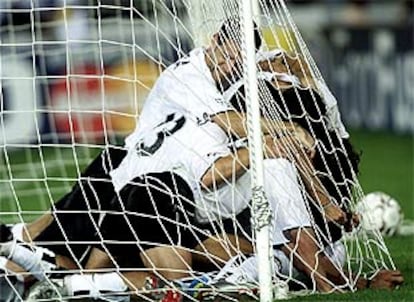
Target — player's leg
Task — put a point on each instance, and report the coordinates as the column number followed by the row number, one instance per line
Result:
column 140, row 235
column 95, row 172
column 292, row 220
column 147, row 224
column 228, row 238
column 76, row 215
column 72, row 222
column 169, row 210
column 72, row 219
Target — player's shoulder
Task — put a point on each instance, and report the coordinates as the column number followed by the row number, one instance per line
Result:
column 189, row 66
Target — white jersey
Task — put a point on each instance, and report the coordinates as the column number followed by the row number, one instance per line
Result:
column 174, row 132
column 186, row 87
column 180, row 145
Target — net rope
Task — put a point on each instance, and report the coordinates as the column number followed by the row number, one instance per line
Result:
column 74, row 78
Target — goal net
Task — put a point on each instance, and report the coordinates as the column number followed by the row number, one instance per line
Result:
column 74, row 78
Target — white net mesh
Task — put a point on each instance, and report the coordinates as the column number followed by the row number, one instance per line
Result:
column 74, row 78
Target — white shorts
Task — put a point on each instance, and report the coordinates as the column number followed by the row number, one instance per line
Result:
column 281, row 188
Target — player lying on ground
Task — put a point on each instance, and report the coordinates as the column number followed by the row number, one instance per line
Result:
column 209, row 70
column 158, row 188
column 197, row 78
column 140, row 235
column 173, row 124
column 91, row 192
column 212, row 54
column 218, row 55
column 302, row 104
column 82, row 281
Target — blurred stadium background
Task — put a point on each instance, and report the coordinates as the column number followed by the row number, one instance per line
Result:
column 61, row 101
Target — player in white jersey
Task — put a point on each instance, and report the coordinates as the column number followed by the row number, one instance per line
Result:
column 190, row 89
column 282, row 184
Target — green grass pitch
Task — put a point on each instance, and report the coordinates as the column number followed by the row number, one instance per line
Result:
column 33, row 177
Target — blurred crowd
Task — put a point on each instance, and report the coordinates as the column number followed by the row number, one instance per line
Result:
column 362, row 12
column 355, row 12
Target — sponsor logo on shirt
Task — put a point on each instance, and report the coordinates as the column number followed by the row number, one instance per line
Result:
column 204, row 120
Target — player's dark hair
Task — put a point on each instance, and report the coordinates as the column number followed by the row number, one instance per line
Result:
column 231, row 30
column 291, row 104
column 336, row 159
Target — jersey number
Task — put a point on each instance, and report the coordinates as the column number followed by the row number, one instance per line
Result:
column 171, row 125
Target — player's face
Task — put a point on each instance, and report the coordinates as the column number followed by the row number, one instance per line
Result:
column 228, row 64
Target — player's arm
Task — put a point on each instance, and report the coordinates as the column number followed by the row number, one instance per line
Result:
column 289, row 63
column 236, row 164
column 223, row 169
column 311, row 181
column 234, row 123
column 384, row 279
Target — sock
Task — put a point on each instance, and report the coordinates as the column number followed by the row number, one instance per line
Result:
column 38, row 261
column 17, row 231
column 95, row 285
column 35, row 260
column 283, row 265
column 239, row 270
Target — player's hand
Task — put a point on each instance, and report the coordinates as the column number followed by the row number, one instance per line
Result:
column 275, row 147
column 306, row 140
column 289, row 63
column 334, row 213
column 352, row 222
column 300, row 68
column 387, row 279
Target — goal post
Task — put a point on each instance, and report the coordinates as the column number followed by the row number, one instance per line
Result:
column 261, row 210
column 74, row 77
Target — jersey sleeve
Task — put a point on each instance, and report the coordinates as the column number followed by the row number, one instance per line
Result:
column 332, row 111
column 213, row 146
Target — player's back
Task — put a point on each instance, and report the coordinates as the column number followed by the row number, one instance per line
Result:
column 178, row 144
column 185, row 87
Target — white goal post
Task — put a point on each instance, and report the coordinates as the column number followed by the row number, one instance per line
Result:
column 74, row 77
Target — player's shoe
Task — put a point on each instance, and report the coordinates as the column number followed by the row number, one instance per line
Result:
column 224, row 290
column 48, row 289
column 159, row 290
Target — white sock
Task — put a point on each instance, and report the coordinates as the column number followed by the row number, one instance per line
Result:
column 283, row 265
column 30, row 260
column 3, row 263
column 239, row 270
column 17, row 231
column 95, row 284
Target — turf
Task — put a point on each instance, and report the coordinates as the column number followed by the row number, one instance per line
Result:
column 387, row 165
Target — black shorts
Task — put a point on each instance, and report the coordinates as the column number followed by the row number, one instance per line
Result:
column 240, row 226
column 151, row 211
column 77, row 213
